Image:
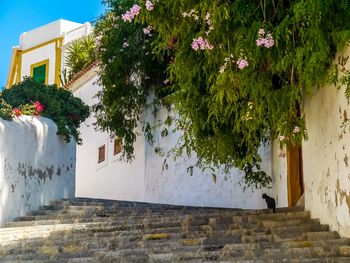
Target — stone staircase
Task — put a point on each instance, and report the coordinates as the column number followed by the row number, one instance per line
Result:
column 83, row 230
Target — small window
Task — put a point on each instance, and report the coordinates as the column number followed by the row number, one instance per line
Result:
column 39, row 71
column 117, row 146
column 102, row 154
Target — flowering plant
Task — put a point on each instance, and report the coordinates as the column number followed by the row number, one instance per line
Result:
column 36, row 99
column 225, row 57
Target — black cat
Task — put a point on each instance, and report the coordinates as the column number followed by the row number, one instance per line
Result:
column 270, row 202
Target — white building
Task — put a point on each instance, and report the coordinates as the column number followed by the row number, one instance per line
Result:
column 319, row 169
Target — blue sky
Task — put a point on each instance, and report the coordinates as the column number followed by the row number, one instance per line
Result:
column 17, row 16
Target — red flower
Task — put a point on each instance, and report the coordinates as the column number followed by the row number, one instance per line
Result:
column 17, row 112
column 39, row 107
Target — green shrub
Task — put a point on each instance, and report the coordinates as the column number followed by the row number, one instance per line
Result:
column 67, row 111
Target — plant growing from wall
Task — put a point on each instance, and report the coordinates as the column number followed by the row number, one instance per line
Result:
column 80, row 53
column 32, row 98
column 238, row 72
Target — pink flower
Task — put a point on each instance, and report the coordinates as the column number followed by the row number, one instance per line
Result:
column 38, row 106
column 135, row 9
column 201, row 43
column 261, row 32
column 125, row 44
column 267, row 41
column 296, row 129
column 147, row 30
column 130, row 15
column 149, row 5
column 242, row 63
column 260, row 42
column 17, row 112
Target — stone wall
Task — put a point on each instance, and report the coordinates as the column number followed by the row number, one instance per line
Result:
column 36, row 166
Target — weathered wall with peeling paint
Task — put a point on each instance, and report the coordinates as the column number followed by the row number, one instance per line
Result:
column 36, row 166
column 326, row 157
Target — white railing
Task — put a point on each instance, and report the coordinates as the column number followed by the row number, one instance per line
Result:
column 77, row 33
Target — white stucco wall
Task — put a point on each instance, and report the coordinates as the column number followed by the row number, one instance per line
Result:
column 38, row 55
column 36, row 166
column 168, row 181
column 46, row 33
column 145, row 179
column 326, row 157
column 279, row 174
column 111, row 179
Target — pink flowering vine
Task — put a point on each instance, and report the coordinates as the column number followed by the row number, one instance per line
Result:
column 130, row 15
column 201, row 43
column 149, row 5
column 147, row 30
column 266, row 41
column 242, row 63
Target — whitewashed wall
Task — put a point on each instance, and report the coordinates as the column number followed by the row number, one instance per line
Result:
column 36, row 166
column 326, row 157
column 110, row 179
column 279, row 174
column 38, row 55
column 46, row 33
column 146, row 178
column 168, row 181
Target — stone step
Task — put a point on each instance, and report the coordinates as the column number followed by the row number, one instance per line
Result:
column 83, row 230
column 113, row 228
column 208, row 243
column 142, row 255
column 298, row 217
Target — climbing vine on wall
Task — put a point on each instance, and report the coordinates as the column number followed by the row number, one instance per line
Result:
column 237, row 70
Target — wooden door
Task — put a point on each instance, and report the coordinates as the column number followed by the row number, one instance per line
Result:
column 295, row 175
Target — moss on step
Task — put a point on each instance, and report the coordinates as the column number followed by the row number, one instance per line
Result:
column 52, row 251
column 191, row 242
column 156, row 236
column 344, row 251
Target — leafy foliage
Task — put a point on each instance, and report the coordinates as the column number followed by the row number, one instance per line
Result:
column 128, row 71
column 5, row 110
column 238, row 72
column 80, row 53
column 67, row 111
